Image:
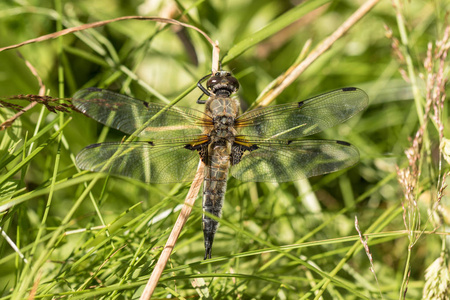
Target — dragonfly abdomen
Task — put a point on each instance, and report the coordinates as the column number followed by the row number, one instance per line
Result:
column 214, row 188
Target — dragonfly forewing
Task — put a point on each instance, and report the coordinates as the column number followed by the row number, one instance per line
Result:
column 293, row 121
column 127, row 114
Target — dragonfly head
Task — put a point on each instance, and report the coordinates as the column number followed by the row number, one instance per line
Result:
column 222, row 83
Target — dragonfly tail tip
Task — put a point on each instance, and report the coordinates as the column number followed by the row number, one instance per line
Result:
column 208, row 253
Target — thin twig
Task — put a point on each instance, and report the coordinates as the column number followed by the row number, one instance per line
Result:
column 364, row 241
column 287, row 78
column 170, row 244
column 215, row 58
column 102, row 23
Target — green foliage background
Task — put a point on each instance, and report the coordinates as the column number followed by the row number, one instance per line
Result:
column 69, row 255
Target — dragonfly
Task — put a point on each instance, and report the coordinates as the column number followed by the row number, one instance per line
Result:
column 261, row 145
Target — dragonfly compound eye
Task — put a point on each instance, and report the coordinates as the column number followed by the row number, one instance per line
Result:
column 213, row 81
column 233, row 82
column 223, row 81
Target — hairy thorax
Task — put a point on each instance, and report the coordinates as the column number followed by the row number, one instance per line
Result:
column 223, row 111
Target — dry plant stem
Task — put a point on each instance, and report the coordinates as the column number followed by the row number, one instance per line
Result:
column 170, row 244
column 102, row 23
column 364, row 242
column 185, row 211
column 215, row 58
column 8, row 123
column 286, row 79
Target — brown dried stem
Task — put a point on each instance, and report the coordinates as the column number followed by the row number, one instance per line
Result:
column 170, row 244
column 284, row 80
column 102, row 23
column 54, row 35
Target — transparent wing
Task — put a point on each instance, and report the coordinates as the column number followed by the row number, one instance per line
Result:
column 281, row 161
column 167, row 163
column 128, row 114
column 292, row 121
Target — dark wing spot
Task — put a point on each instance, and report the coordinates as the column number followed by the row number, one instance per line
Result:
column 300, row 104
column 349, row 89
column 93, row 146
column 202, row 150
column 343, row 143
column 146, row 104
column 237, row 151
column 151, row 143
column 288, row 142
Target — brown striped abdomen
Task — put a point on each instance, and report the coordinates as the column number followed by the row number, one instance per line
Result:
column 214, row 188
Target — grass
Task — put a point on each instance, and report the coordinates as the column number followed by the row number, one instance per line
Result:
column 289, row 240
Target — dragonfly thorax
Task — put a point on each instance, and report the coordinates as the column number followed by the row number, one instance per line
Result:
column 223, row 122
column 223, row 111
column 223, row 131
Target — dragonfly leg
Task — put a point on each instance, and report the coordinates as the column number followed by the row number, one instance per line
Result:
column 204, row 91
column 199, row 101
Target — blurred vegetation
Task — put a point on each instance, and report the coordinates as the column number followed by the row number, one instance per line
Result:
column 65, row 251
